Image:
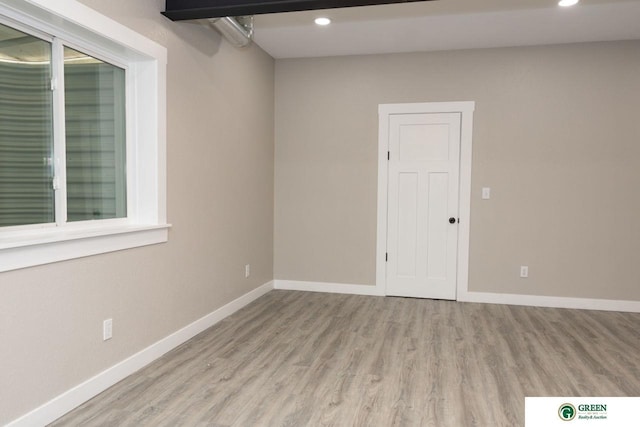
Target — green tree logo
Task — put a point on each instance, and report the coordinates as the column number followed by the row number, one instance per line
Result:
column 567, row 412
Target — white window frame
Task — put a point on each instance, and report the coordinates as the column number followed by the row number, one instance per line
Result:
column 77, row 26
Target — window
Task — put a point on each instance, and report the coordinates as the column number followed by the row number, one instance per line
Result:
column 82, row 149
column 94, row 140
column 26, row 130
column 94, row 94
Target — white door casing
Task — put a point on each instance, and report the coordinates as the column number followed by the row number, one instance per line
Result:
column 425, row 182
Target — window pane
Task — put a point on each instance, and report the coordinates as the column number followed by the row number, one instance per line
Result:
column 95, row 131
column 26, row 131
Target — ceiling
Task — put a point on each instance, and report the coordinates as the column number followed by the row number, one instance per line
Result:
column 445, row 25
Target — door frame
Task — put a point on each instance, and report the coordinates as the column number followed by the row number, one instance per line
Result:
column 466, row 109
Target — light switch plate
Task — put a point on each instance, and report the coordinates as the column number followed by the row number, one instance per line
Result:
column 486, row 193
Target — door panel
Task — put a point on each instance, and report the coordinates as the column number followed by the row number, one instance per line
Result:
column 437, row 229
column 407, row 223
column 413, row 149
column 422, row 196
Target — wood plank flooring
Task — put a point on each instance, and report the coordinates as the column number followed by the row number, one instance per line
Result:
column 312, row 359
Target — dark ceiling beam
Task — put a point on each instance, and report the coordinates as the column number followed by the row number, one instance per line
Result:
column 179, row 10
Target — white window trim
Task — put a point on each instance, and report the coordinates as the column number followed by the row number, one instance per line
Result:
column 146, row 221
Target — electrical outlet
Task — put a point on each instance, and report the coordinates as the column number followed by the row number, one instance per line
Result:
column 247, row 271
column 524, row 271
column 107, row 329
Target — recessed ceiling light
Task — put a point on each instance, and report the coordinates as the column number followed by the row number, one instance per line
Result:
column 567, row 3
column 325, row 21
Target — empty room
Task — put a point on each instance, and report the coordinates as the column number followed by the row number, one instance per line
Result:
column 319, row 212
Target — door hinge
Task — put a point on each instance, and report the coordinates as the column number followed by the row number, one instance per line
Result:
column 386, row 257
column 54, row 85
column 55, row 183
column 388, row 155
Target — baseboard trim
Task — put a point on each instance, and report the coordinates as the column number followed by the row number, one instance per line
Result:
column 548, row 301
column 334, row 288
column 480, row 297
column 60, row 405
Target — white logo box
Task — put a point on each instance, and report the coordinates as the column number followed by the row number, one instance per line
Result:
column 585, row 411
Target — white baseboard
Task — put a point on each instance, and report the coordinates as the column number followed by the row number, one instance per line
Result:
column 334, row 288
column 74, row 397
column 481, row 297
column 547, row 301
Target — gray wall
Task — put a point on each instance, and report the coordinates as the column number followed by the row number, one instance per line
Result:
column 220, row 202
column 556, row 137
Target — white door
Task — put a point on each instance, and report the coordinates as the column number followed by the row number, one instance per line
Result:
column 423, row 197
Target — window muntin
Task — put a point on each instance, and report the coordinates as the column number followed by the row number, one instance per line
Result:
column 26, row 130
column 95, row 138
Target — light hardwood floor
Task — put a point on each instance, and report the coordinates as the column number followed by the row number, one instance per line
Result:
column 312, row 359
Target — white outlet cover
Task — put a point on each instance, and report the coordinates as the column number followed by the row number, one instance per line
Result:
column 107, row 329
column 486, row 193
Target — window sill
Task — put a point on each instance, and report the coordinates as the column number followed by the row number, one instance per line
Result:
column 53, row 245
